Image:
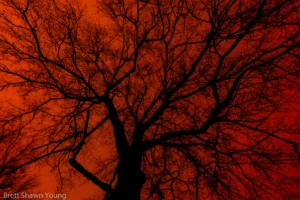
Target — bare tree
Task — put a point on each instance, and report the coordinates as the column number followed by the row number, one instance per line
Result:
column 13, row 178
column 189, row 99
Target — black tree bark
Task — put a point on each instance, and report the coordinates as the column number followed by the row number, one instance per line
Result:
column 130, row 177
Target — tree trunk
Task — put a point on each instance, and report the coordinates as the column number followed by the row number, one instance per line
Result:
column 130, row 178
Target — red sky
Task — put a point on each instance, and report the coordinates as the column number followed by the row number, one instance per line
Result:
column 83, row 189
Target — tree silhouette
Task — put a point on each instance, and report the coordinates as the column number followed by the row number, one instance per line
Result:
column 186, row 99
column 13, row 178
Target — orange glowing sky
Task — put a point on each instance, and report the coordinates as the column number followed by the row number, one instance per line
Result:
column 82, row 189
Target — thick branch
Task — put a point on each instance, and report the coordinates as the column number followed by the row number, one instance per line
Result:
column 90, row 176
column 120, row 138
